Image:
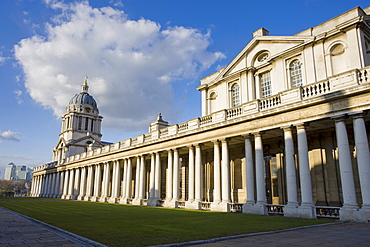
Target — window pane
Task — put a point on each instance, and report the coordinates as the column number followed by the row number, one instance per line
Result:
column 235, row 95
column 265, row 85
column 296, row 73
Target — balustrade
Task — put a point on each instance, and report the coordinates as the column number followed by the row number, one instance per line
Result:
column 273, row 209
column 206, row 206
column 234, row 112
column 236, row 207
column 363, row 76
column 327, row 212
column 270, row 102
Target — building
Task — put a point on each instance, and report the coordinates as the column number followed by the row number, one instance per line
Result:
column 284, row 130
column 13, row 172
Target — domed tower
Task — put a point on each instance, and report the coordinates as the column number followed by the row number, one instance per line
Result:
column 81, row 126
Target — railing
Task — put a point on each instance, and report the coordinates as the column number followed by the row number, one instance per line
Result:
column 160, row 203
column 206, row 205
column 315, row 89
column 273, row 209
column 236, row 207
column 182, row 126
column 327, row 212
column 205, row 120
column 181, row 204
column 338, row 82
column 270, row 102
column 234, row 112
column 363, row 76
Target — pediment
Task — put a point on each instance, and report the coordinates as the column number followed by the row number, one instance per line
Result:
column 275, row 46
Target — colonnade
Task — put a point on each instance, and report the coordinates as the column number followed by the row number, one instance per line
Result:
column 157, row 178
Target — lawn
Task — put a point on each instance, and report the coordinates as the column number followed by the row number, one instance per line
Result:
column 127, row 225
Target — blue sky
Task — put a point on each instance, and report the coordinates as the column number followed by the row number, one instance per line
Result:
column 142, row 57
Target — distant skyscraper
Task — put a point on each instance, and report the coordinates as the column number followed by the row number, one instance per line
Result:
column 9, row 172
column 13, row 172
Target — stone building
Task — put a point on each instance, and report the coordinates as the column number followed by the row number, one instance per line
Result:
column 284, row 130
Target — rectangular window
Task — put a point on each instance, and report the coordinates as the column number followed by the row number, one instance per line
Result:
column 79, row 123
column 265, row 85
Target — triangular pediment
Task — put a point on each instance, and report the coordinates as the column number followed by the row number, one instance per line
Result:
column 275, row 45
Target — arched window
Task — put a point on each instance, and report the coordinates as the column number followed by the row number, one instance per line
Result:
column 265, row 84
column 235, row 99
column 296, row 73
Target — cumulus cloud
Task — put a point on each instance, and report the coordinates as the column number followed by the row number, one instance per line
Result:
column 9, row 135
column 132, row 64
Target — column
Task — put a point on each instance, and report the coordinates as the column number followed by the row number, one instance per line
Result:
column 191, row 195
column 51, row 191
column 82, row 190
column 137, row 181
column 70, row 184
column 115, row 182
column 152, row 178
column 65, row 186
column 290, row 168
column 89, row 183
column 198, row 173
column 304, row 166
column 97, row 183
column 106, row 179
column 128, row 179
column 249, row 169
column 123, row 199
column 76, row 189
column 169, row 175
column 225, row 172
column 61, row 184
column 57, row 184
column 176, row 176
column 217, row 172
column 142, row 177
column 260, row 169
column 157, row 176
column 363, row 158
column 345, row 165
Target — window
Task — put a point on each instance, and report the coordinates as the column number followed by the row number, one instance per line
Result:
column 265, row 85
column 79, row 123
column 235, row 101
column 296, row 73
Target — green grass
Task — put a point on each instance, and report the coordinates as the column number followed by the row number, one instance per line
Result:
column 127, row 225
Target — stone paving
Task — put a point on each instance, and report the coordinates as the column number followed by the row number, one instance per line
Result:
column 18, row 230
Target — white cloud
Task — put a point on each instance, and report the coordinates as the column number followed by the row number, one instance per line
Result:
column 131, row 64
column 18, row 94
column 9, row 135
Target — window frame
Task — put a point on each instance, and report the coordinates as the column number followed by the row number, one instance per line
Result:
column 297, row 76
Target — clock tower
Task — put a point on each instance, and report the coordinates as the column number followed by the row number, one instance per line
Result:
column 81, row 126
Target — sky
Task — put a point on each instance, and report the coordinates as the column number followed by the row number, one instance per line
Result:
column 142, row 57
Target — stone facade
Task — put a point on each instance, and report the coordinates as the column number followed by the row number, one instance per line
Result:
column 284, row 130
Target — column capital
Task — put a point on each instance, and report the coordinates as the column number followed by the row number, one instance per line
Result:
column 198, row 144
column 225, row 139
column 286, row 128
column 258, row 134
column 247, row 136
column 356, row 115
column 339, row 118
column 215, row 141
column 301, row 125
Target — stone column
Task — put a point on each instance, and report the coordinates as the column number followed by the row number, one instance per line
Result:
column 346, row 172
column 290, row 168
column 45, row 185
column 259, row 207
column 89, row 183
column 217, row 172
column 128, row 179
column 57, row 185
column 306, row 209
column 82, row 184
column 198, row 177
column 157, row 183
column 191, row 189
column 136, row 200
column 76, row 189
column 152, row 181
column 61, row 184
column 176, row 177
column 345, row 164
column 249, row 169
column 71, row 184
column 142, row 177
column 225, row 172
column 115, row 182
column 65, row 186
column 51, row 185
column 104, row 192
column 169, row 176
column 124, row 178
column 97, row 183
column 363, row 158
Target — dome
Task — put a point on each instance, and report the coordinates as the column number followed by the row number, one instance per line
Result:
column 83, row 101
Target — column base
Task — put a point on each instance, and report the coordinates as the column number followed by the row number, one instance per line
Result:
column 171, row 204
column 363, row 215
column 220, row 206
column 69, row 197
column 137, row 201
column 255, row 208
column 87, row 198
column 152, row 202
column 113, row 200
column 124, row 201
column 349, row 213
column 94, row 199
column 193, row 205
column 302, row 211
column 80, row 198
column 103, row 199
